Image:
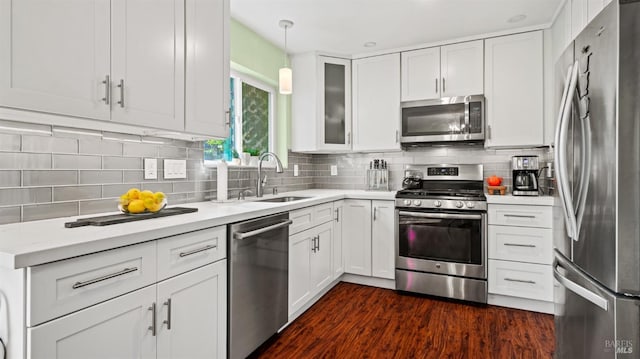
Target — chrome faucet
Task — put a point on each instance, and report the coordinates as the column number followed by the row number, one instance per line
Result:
column 262, row 182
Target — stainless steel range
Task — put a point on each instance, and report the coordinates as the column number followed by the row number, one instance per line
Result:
column 441, row 232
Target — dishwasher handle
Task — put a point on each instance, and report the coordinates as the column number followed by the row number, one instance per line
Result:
column 243, row 235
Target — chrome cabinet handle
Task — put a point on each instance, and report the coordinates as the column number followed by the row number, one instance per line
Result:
column 520, row 280
column 337, row 214
column 443, row 85
column 349, row 138
column 107, row 90
column 436, row 85
column 318, row 243
column 243, row 235
column 520, row 245
column 152, row 327
column 313, row 244
column 397, row 136
column 198, row 250
column 168, row 320
column 520, row 216
column 488, row 132
column 77, row 285
column 227, row 115
column 121, row 86
column 375, row 210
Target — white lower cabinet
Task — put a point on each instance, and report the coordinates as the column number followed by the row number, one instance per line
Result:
column 520, row 251
column 118, row 328
column 338, row 224
column 382, row 240
column 310, row 268
column 368, row 238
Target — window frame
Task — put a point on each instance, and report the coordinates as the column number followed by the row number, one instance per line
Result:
column 241, row 78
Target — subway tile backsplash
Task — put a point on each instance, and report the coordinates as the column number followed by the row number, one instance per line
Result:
column 49, row 173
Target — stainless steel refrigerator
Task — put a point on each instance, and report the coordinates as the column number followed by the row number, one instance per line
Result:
column 597, row 155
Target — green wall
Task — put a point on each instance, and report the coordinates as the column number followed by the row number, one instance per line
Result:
column 253, row 55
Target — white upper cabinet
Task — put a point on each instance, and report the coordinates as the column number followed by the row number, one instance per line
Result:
column 461, row 69
column 376, row 103
column 207, row 67
column 446, row 71
column 514, row 90
column 321, row 104
column 120, row 61
column 147, row 62
column 54, row 56
column 420, row 74
column 579, row 16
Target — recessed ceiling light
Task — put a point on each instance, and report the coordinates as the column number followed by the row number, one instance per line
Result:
column 370, row 44
column 517, row 18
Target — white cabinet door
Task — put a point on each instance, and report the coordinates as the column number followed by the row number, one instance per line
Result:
column 376, row 103
column 382, row 240
column 338, row 259
column 54, row 56
column 299, row 269
column 207, row 69
column 514, row 118
column 356, row 234
column 321, row 272
column 461, row 68
column 147, row 63
column 420, row 74
column 192, row 314
column 118, row 328
column 593, row 8
column 579, row 16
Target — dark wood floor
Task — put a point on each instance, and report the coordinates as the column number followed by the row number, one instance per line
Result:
column 354, row 321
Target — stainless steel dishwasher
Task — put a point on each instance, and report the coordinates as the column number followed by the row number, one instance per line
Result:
column 258, row 281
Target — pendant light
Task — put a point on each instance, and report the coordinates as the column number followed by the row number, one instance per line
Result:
column 285, row 75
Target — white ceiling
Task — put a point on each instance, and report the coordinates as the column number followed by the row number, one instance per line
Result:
column 343, row 26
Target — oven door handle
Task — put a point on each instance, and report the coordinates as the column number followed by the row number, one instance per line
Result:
column 440, row 215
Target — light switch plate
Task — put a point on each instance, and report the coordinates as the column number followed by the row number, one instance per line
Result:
column 334, row 170
column 150, row 168
column 296, row 171
column 175, row 169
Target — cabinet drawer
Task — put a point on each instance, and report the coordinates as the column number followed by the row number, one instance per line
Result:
column 58, row 288
column 523, row 216
column 323, row 213
column 533, row 245
column 532, row 281
column 302, row 220
column 187, row 251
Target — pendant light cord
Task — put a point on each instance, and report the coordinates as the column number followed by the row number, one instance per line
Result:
column 285, row 45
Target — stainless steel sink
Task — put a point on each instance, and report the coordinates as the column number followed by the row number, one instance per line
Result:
column 282, row 199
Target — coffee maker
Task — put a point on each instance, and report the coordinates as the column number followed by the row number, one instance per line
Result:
column 525, row 175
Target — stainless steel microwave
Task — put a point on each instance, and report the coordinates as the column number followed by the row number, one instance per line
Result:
column 443, row 120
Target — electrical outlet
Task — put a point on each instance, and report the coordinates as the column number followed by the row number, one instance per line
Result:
column 175, row 169
column 296, row 171
column 150, row 168
column 334, row 170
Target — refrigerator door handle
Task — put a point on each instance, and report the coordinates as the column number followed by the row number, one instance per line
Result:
column 585, row 172
column 578, row 289
column 560, row 152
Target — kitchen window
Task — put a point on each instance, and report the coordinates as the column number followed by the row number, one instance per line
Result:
column 251, row 129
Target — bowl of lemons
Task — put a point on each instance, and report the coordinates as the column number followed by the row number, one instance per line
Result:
column 136, row 201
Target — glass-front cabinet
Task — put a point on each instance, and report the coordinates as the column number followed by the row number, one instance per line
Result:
column 321, row 104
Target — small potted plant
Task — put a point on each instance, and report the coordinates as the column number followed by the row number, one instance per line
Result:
column 236, row 158
column 254, row 153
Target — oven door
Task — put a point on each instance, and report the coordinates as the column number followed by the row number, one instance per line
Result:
column 452, row 243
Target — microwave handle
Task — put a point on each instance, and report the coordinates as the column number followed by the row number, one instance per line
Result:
column 467, row 108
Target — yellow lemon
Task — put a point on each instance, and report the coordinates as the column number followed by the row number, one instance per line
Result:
column 159, row 197
column 155, row 208
column 136, row 206
column 146, row 194
column 124, row 200
column 149, row 203
column 133, row 193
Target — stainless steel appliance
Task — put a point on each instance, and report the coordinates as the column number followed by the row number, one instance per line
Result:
column 258, row 281
column 525, row 175
column 441, row 233
column 443, row 120
column 597, row 254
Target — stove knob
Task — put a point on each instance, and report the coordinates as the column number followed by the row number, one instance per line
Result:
column 407, row 202
column 417, row 202
column 459, row 204
column 471, row 204
column 437, row 203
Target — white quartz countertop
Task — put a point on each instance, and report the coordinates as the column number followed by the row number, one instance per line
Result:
column 32, row 243
column 522, row 200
